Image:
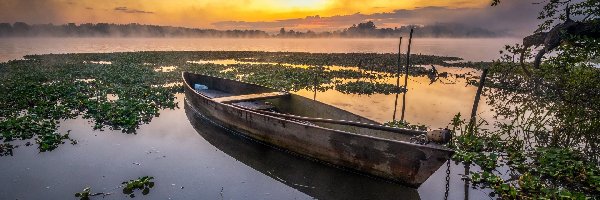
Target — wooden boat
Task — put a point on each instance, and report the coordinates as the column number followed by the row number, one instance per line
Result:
column 315, row 130
column 312, row 178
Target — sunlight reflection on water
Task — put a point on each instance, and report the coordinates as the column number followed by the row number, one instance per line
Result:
column 479, row 49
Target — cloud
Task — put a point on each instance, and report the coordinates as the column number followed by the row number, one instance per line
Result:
column 134, row 11
column 514, row 17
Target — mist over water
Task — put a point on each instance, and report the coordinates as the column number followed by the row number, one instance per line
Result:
column 480, row 49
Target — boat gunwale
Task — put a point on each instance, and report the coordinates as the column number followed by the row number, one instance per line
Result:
column 436, row 146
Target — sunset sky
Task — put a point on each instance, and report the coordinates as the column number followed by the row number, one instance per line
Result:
column 270, row 14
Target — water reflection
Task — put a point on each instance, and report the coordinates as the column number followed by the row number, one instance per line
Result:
column 434, row 98
column 433, row 104
column 312, row 178
column 479, row 49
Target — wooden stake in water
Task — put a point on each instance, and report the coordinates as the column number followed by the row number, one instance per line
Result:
column 316, row 81
column 406, row 75
column 476, row 102
column 397, row 80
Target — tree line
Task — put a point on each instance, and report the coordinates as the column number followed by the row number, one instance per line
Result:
column 366, row 29
column 369, row 29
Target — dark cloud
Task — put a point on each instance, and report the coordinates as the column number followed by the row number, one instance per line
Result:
column 516, row 18
column 134, row 11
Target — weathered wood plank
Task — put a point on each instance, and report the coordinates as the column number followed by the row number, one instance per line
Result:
column 250, row 97
column 254, row 105
column 213, row 93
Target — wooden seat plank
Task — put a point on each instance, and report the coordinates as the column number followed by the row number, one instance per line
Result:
column 213, row 93
column 250, row 97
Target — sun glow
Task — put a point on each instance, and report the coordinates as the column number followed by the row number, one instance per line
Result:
column 202, row 13
column 310, row 4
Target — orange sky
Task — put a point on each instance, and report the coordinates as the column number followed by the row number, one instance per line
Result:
column 202, row 13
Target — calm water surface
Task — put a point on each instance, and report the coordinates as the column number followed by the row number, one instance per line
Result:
column 468, row 49
column 191, row 158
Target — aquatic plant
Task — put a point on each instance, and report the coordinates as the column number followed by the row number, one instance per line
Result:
column 28, row 126
column 129, row 187
column 6, row 149
column 37, row 94
column 86, row 194
column 363, row 87
column 514, row 171
column 405, row 124
column 142, row 183
column 125, row 91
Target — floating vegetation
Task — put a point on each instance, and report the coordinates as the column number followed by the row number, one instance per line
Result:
column 386, row 62
column 470, row 64
column 29, row 126
column 142, row 183
column 363, row 87
column 165, row 69
column 122, row 91
column 129, row 187
column 405, row 124
column 38, row 94
column 6, row 149
column 86, row 194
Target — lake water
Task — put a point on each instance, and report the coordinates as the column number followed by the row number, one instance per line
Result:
column 191, row 158
column 468, row 49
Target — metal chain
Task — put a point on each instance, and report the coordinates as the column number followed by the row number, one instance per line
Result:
column 419, row 139
column 447, row 181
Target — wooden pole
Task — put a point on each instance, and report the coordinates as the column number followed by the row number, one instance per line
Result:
column 397, row 80
column 315, row 83
column 406, row 75
column 467, row 182
column 476, row 102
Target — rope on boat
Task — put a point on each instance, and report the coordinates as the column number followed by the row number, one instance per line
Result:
column 342, row 122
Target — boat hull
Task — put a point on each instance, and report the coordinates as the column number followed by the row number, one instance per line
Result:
column 398, row 161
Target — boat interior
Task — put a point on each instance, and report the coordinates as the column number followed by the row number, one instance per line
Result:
column 265, row 100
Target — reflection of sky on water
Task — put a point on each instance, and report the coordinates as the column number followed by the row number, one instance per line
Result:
column 171, row 150
column 478, row 49
column 433, row 104
column 187, row 165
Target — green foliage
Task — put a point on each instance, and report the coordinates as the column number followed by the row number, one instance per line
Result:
column 129, row 187
column 533, row 172
column 289, row 78
column 126, row 90
column 84, row 195
column 39, row 93
column 557, row 106
column 553, row 11
column 142, row 183
column 363, row 87
column 544, row 144
column 6, row 149
column 405, row 124
column 26, row 127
